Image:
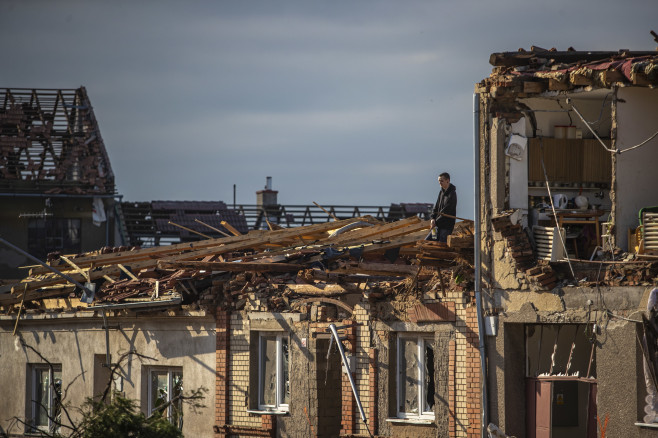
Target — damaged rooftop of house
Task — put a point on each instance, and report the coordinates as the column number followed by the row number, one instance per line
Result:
column 275, row 270
column 538, row 70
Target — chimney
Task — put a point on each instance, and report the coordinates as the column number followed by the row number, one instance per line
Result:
column 267, row 196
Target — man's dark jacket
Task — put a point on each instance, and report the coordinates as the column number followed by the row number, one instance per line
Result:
column 446, row 203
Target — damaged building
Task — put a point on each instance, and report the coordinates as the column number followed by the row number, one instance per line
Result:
column 565, row 145
column 249, row 318
column 292, row 320
column 57, row 189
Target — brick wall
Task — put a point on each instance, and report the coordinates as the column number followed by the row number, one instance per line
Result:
column 463, row 374
column 222, row 369
column 465, row 379
column 239, row 373
column 472, row 365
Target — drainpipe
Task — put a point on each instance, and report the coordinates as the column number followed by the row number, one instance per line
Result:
column 476, row 262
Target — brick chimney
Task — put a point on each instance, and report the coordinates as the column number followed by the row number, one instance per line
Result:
column 267, row 196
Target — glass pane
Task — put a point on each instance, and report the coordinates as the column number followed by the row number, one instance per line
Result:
column 286, row 374
column 429, row 377
column 177, row 406
column 41, row 399
column 159, row 389
column 408, row 376
column 56, row 399
column 268, row 370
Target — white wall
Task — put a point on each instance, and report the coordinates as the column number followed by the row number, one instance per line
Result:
column 187, row 342
column 637, row 120
column 549, row 111
column 518, row 172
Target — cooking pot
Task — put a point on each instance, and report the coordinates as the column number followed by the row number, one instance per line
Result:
column 560, row 201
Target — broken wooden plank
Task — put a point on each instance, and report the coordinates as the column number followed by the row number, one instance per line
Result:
column 379, row 269
column 461, row 241
column 231, row 228
column 609, row 77
column 556, row 85
column 534, row 87
column 410, row 239
column 365, row 233
column 232, row 266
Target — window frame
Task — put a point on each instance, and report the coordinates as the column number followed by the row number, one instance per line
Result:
column 35, row 407
column 421, row 340
column 171, row 372
column 46, row 235
column 281, row 384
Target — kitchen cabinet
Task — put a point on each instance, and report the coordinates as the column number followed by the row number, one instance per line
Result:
column 569, row 161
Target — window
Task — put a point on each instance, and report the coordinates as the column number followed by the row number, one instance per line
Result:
column 53, row 234
column 165, row 389
column 415, row 385
column 46, row 397
column 273, row 372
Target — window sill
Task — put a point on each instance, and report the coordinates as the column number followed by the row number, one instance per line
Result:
column 259, row 412
column 648, row 425
column 419, row 421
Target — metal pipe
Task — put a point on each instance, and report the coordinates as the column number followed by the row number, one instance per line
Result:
column 332, row 327
column 476, row 261
column 107, row 340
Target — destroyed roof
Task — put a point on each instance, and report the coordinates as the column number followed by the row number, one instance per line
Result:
column 157, row 222
column 538, row 70
column 316, row 260
column 50, row 143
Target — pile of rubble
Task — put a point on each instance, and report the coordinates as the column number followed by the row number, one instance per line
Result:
column 265, row 270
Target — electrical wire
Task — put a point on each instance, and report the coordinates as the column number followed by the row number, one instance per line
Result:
column 591, row 130
column 618, row 151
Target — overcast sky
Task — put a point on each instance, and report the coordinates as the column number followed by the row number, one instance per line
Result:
column 341, row 102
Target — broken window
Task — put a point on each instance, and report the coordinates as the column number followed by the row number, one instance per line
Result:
column 165, row 390
column 273, row 373
column 46, row 397
column 416, row 384
column 53, row 234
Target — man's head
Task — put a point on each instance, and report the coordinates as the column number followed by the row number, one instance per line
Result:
column 444, row 180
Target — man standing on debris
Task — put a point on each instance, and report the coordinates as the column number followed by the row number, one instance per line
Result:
column 445, row 210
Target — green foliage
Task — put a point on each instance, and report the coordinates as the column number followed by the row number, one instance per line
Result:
column 121, row 418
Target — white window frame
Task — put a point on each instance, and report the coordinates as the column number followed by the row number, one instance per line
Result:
column 170, row 387
column 280, row 406
column 420, row 377
column 35, row 406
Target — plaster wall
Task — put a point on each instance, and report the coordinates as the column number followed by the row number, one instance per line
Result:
column 243, row 372
column 518, row 171
column 185, row 343
column 636, row 173
column 552, row 110
column 618, row 370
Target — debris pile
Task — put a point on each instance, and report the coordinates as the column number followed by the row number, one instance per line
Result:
column 292, row 269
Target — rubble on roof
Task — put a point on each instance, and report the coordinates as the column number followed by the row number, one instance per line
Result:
column 541, row 275
column 531, row 73
column 278, row 270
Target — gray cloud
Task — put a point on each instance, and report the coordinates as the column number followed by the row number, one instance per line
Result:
column 344, row 102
